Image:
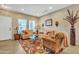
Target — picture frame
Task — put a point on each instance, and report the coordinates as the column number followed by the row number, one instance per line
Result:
column 48, row 22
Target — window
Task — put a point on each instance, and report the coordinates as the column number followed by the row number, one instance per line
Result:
column 22, row 25
column 32, row 25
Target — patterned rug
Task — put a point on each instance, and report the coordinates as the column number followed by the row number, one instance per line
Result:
column 32, row 47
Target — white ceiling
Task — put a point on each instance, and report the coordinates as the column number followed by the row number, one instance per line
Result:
column 35, row 9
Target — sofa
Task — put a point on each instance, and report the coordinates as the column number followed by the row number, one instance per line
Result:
column 25, row 34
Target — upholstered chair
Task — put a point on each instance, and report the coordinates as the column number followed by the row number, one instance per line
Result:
column 56, row 44
column 59, row 38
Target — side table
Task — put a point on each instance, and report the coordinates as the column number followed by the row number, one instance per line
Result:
column 17, row 36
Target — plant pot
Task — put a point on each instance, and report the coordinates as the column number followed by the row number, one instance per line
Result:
column 72, row 36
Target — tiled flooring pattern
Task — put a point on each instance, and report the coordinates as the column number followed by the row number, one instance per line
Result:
column 71, row 50
column 11, row 47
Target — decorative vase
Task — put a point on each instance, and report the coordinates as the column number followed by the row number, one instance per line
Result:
column 72, row 19
column 72, row 36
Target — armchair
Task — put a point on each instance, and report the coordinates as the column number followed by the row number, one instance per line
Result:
column 57, row 43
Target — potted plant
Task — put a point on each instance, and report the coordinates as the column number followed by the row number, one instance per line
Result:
column 72, row 18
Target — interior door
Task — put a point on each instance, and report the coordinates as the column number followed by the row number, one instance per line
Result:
column 5, row 28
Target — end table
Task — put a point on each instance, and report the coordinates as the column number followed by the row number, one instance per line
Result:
column 17, row 36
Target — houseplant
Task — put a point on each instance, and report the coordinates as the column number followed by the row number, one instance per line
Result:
column 72, row 18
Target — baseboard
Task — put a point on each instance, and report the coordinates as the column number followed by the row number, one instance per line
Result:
column 6, row 40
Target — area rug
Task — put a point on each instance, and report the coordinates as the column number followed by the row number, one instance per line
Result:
column 31, row 47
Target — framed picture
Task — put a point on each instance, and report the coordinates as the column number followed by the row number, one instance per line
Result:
column 48, row 22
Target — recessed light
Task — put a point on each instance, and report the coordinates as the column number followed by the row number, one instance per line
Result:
column 22, row 9
column 50, row 7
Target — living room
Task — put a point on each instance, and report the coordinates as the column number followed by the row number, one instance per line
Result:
column 31, row 26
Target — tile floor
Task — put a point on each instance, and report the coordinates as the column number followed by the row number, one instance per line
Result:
column 11, row 47
column 71, row 50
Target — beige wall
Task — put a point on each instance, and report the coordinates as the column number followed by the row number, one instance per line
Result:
column 64, row 26
column 15, row 16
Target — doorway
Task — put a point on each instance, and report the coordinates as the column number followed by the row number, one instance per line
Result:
column 5, row 28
